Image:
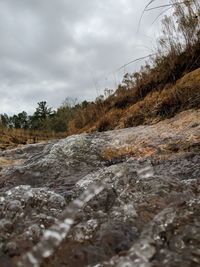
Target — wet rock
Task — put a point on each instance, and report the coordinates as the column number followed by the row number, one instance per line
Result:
column 115, row 236
column 11, row 249
column 22, row 210
column 146, row 213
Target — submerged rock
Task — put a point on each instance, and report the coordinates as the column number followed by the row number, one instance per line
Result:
column 122, row 198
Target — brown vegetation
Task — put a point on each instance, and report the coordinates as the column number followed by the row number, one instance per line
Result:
column 158, row 104
column 168, row 84
column 10, row 138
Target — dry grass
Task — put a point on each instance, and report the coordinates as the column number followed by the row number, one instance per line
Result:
column 10, row 138
column 156, row 106
column 8, row 162
column 113, row 153
column 109, row 121
column 185, row 94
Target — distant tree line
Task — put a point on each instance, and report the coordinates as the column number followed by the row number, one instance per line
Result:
column 44, row 118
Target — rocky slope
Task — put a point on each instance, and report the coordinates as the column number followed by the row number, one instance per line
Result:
column 126, row 197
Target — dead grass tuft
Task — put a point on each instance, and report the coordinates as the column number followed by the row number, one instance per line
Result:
column 113, row 153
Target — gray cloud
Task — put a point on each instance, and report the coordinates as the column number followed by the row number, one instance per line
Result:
column 53, row 49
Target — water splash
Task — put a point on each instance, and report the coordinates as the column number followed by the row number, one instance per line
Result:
column 144, row 169
column 55, row 235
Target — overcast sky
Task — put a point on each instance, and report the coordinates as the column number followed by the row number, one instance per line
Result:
column 53, row 49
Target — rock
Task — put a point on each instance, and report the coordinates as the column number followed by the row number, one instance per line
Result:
column 22, row 211
column 142, row 210
column 11, row 249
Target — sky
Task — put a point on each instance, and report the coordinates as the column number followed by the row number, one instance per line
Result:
column 54, row 49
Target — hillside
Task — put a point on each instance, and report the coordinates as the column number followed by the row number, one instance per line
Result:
column 156, row 105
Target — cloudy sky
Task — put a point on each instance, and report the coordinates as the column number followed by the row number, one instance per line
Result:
column 53, row 49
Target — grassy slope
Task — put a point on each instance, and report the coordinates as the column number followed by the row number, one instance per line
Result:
column 158, row 104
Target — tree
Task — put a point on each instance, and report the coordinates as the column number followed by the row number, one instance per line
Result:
column 4, row 120
column 59, row 122
column 84, row 104
column 15, row 121
column 23, row 120
column 42, row 113
column 19, row 121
